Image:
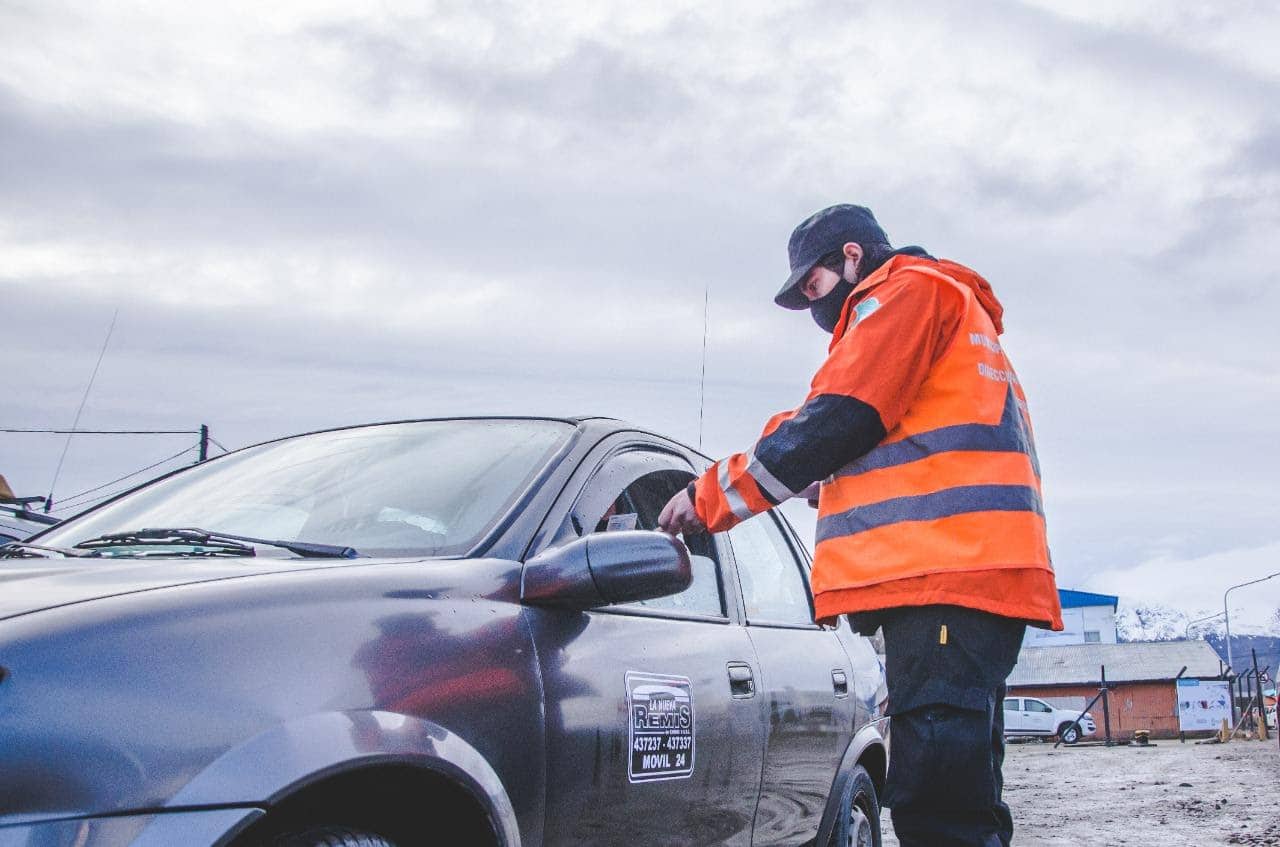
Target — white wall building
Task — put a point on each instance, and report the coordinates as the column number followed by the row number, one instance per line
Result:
column 1087, row 618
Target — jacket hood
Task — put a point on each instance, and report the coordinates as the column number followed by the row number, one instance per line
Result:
column 980, row 287
column 964, row 275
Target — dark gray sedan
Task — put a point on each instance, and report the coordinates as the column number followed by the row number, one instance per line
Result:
column 446, row 632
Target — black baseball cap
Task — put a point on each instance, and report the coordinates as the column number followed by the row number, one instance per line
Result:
column 821, row 234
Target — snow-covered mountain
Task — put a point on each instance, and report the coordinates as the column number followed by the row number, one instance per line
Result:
column 1153, row 622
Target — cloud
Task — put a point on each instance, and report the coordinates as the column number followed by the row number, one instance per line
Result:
column 1196, row 585
column 591, row 83
column 1260, row 155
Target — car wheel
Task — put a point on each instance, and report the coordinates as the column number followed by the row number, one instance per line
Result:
column 859, row 821
column 331, row 836
column 1069, row 733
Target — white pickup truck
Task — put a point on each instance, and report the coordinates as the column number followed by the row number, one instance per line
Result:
column 1030, row 716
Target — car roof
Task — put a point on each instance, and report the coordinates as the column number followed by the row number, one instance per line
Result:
column 602, row 426
column 592, row 425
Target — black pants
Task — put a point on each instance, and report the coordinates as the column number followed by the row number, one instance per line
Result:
column 946, row 692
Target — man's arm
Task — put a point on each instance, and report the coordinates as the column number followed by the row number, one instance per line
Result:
column 858, row 395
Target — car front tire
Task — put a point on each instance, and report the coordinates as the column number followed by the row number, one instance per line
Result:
column 1069, row 733
column 859, row 821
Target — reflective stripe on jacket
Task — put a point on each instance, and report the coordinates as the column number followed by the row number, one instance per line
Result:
column 919, row 427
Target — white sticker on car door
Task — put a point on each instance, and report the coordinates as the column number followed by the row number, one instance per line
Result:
column 660, row 731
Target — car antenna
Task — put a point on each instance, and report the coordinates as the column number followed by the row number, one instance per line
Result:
column 48, row 501
column 702, row 382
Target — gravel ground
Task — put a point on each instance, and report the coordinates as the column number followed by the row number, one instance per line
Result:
column 1168, row 794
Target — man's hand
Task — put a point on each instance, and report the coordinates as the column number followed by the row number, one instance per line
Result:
column 679, row 516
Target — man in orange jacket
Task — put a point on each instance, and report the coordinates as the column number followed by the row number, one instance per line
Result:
column 930, row 523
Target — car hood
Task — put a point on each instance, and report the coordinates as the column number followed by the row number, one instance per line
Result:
column 31, row 585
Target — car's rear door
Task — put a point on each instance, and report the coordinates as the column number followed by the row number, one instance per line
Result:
column 805, row 680
column 654, row 732
column 1013, row 720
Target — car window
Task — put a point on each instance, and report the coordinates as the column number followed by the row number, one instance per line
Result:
column 1011, row 704
column 628, row 491
column 773, row 586
column 1037, row 706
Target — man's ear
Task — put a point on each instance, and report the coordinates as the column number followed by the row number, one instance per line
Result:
column 853, row 250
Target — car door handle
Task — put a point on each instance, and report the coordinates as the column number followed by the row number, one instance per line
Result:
column 742, row 683
column 840, row 681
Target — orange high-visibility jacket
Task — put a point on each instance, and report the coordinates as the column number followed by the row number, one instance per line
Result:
column 919, row 429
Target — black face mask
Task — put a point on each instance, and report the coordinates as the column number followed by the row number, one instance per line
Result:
column 826, row 309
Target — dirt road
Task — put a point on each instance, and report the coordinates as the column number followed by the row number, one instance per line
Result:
column 1182, row 795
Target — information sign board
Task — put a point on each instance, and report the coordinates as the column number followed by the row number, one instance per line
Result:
column 1203, row 704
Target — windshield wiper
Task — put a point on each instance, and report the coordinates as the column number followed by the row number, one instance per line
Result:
column 26, row 550
column 225, row 543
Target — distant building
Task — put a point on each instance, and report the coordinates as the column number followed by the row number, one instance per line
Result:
column 1088, row 618
column 1141, row 675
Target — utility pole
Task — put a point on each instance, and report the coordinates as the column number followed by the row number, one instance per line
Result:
column 1106, row 705
column 1262, row 703
column 1227, row 612
column 204, row 442
column 1234, row 687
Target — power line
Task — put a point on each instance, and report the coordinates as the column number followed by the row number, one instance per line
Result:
column 68, row 501
column 219, row 443
column 90, row 502
column 84, row 399
column 106, row 431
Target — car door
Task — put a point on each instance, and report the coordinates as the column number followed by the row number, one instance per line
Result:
column 804, row 681
column 654, row 732
column 1037, row 716
column 1013, row 720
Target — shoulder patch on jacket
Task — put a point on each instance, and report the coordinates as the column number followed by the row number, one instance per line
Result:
column 864, row 309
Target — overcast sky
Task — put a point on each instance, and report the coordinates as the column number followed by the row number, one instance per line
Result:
column 312, row 214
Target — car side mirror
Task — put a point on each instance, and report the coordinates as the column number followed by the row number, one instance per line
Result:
column 605, row 568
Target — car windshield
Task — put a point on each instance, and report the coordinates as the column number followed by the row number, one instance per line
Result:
column 405, row 489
